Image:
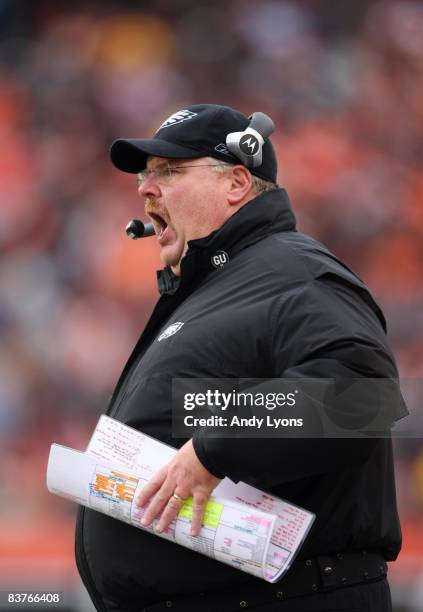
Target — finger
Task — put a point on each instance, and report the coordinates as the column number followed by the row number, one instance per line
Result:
column 158, row 502
column 170, row 512
column 151, row 487
column 199, row 505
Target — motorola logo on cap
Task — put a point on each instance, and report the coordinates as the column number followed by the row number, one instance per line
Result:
column 249, row 144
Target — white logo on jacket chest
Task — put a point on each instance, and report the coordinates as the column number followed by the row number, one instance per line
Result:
column 169, row 331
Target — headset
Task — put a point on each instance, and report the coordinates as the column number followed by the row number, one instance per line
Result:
column 247, row 146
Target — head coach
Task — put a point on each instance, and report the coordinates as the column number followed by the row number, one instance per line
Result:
column 243, row 294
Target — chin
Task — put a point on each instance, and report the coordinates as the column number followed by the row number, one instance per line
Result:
column 170, row 259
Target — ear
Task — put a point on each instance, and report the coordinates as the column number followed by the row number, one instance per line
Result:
column 239, row 186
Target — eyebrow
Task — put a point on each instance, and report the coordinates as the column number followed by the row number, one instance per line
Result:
column 171, row 162
column 166, row 162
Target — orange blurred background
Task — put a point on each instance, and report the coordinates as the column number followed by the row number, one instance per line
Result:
column 342, row 81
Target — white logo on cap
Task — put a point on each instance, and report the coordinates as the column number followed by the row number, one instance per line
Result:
column 178, row 117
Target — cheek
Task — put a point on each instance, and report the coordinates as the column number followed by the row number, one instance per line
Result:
column 194, row 212
column 184, row 214
column 196, row 224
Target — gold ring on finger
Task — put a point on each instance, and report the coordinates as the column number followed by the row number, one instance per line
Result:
column 178, row 499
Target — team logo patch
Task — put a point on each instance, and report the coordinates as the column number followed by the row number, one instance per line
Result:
column 169, row 331
column 220, row 259
column 182, row 115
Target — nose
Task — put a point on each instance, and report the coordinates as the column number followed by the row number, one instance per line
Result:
column 149, row 188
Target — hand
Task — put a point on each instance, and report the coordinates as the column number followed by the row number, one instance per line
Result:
column 183, row 476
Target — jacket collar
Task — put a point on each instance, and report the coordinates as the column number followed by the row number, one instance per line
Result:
column 266, row 214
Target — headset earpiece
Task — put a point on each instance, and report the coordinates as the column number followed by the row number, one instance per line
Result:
column 247, row 145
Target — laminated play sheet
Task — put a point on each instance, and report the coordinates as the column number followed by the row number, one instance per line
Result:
column 242, row 526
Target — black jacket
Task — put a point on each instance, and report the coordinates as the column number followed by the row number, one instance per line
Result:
column 282, row 306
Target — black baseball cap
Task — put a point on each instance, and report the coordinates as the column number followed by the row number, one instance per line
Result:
column 196, row 131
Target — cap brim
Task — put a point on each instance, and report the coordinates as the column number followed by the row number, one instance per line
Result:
column 130, row 155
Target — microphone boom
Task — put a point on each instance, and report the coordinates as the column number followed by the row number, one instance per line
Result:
column 137, row 229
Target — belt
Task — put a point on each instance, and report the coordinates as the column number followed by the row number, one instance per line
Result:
column 305, row 577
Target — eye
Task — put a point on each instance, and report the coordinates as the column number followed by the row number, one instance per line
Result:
column 160, row 172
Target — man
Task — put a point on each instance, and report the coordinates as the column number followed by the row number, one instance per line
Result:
column 243, row 295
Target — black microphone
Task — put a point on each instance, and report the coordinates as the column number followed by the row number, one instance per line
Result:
column 136, row 229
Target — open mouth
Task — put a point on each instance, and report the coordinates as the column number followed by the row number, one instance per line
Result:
column 159, row 223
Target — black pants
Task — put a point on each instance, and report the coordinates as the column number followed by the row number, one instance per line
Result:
column 366, row 597
column 349, row 581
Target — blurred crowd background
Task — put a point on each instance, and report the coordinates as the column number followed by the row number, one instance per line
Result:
column 342, row 80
